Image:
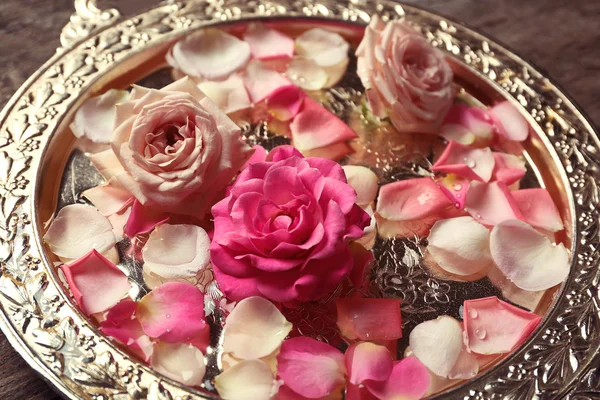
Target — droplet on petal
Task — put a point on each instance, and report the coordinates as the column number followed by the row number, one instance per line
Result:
column 369, row 318
column 267, row 44
column 499, row 327
column 181, row 362
column 528, row 258
column 327, row 49
column 455, row 188
column 307, row 74
column 248, row 379
column 476, row 164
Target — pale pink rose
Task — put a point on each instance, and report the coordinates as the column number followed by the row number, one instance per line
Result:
column 282, row 232
column 405, row 77
column 177, row 150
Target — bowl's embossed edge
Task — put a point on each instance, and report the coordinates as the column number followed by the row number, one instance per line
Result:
column 56, row 339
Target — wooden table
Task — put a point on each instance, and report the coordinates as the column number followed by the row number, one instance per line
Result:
column 560, row 37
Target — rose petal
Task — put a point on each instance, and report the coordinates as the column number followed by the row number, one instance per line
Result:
column 455, row 188
column 121, row 324
column 96, row 283
column 364, row 182
column 261, row 82
column 285, row 102
column 437, row 344
column 538, row 209
column 468, row 125
column 315, row 126
column 143, row 219
column 368, row 362
column 110, row 198
column 527, row 257
column 248, row 380
column 266, row 43
column 409, row 379
column 363, row 318
column 511, row 292
column 180, row 362
column 476, row 164
column 510, row 122
column 491, row 203
column 210, row 54
column 77, row 229
column 466, row 366
column 460, row 245
column 118, row 222
column 95, row 118
column 307, row 74
column 174, row 313
column 177, row 251
column 310, row 368
column 508, row 168
column 493, row 326
column 334, row 152
column 254, row 329
column 230, row 95
column 107, row 164
column 259, row 155
column 327, row 49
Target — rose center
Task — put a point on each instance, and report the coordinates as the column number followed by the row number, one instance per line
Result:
column 172, row 135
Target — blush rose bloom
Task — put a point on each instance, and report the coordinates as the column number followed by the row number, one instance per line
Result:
column 404, row 76
column 283, row 230
column 174, row 148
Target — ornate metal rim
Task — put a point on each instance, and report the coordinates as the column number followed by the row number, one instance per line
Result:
column 56, row 340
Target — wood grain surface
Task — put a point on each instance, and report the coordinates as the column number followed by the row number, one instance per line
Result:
column 559, row 37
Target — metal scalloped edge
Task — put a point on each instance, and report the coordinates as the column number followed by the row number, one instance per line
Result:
column 86, row 20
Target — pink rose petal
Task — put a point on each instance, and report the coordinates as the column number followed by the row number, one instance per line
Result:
column 334, row 152
column 121, row 324
column 455, row 188
column 476, row 164
column 528, row 258
column 363, row 318
column 467, row 125
column 437, row 344
column 508, row 168
column 261, row 82
column 230, row 95
column 307, row 74
column 315, row 126
column 285, row 102
column 174, row 313
column 209, row 54
column 538, row 209
column 510, row 122
column 110, row 198
column 248, row 379
column 97, row 284
column 493, row 326
column 143, row 219
column 310, row 368
column 266, row 43
column 368, row 362
column 259, row 155
column 364, row 182
column 107, row 164
column 95, row 118
column 409, row 379
column 181, row 362
column 491, row 203
column 254, row 329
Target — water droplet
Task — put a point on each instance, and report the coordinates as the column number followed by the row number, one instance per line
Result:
column 168, row 331
column 457, row 205
column 473, row 313
column 470, row 162
column 478, row 216
column 480, row 333
column 458, row 196
column 457, row 186
column 168, row 316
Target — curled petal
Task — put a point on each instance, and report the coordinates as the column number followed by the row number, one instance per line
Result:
column 174, row 313
column 180, row 362
column 177, row 251
column 285, row 102
column 476, row 164
column 266, row 43
column 455, row 188
column 230, row 95
column 508, row 168
column 249, row 380
column 437, row 344
column 261, row 82
column 254, row 329
column 110, row 198
column 121, row 324
column 368, row 362
column 77, row 229
column 143, row 219
column 96, row 283
column 209, row 54
column 491, row 203
column 538, row 209
column 509, row 121
column 467, row 125
column 493, row 326
column 409, row 379
column 315, row 126
column 95, row 118
column 307, row 74
column 369, row 318
column 310, row 368
column 528, row 258
column 460, row 245
column 364, row 182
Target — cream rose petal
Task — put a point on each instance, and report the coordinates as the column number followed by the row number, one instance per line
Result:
column 248, row 380
column 177, row 251
column 109, row 198
column 460, row 245
column 305, row 73
column 181, row 362
column 261, row 82
column 528, row 258
column 254, row 329
column 437, row 344
column 327, row 49
column 107, row 164
column 95, row 118
column 230, row 95
column 364, row 182
column 77, row 229
column 209, row 54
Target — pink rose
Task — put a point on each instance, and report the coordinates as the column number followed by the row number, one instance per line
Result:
column 405, row 77
column 282, row 231
column 175, row 148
